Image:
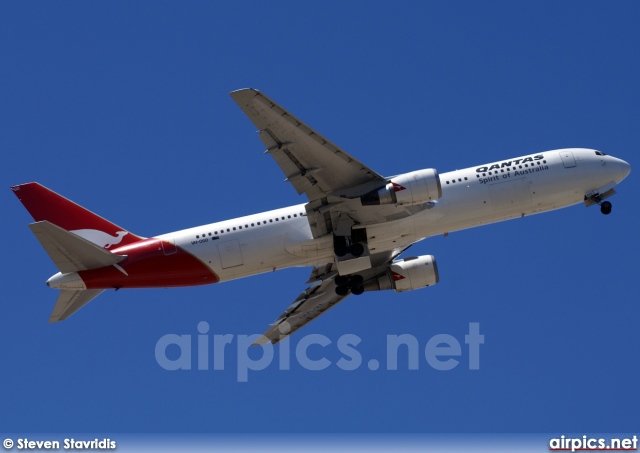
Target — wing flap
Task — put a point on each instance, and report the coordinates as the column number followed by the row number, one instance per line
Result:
column 70, row 252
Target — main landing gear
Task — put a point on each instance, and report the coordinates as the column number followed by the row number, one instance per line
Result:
column 344, row 245
column 344, row 283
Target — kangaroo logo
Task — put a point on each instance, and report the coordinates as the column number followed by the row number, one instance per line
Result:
column 101, row 238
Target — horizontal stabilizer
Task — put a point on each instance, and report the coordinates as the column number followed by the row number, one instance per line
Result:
column 70, row 252
column 71, row 301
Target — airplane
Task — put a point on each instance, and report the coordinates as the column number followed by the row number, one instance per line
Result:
column 352, row 230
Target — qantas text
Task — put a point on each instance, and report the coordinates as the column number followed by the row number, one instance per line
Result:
column 509, row 163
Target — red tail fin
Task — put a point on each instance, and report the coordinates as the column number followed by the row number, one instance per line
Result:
column 45, row 204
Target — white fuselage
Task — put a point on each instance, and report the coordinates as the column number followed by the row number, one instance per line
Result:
column 470, row 197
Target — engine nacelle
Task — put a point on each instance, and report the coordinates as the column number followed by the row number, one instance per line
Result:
column 408, row 274
column 408, row 189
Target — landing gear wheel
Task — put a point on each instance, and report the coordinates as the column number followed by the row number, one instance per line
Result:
column 356, row 280
column 605, row 207
column 342, row 280
column 342, row 290
column 356, row 249
column 357, row 289
column 340, row 250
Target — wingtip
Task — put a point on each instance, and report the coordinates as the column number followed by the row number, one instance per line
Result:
column 262, row 339
column 243, row 90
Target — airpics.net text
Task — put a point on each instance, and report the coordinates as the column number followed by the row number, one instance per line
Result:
column 442, row 352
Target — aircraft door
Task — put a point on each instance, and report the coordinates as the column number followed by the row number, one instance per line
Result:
column 230, row 254
column 567, row 159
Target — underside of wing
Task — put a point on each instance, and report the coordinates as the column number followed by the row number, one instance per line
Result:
column 322, row 296
column 311, row 163
column 310, row 304
column 343, row 193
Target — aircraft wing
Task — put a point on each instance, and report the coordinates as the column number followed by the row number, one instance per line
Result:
column 332, row 180
column 310, row 304
column 311, row 163
column 320, row 297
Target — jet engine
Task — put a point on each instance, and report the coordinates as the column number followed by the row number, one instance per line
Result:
column 408, row 274
column 408, row 189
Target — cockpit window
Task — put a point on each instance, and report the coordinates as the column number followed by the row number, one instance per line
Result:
column 598, row 153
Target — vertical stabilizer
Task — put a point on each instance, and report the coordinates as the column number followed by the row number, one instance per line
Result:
column 45, row 204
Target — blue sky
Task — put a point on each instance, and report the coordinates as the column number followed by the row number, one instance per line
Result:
column 124, row 108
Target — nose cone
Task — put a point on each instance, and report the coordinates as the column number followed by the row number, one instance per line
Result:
column 625, row 169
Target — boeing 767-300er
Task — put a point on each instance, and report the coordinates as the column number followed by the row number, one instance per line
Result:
column 352, row 230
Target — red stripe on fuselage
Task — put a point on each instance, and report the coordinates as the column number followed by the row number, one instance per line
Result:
column 148, row 266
